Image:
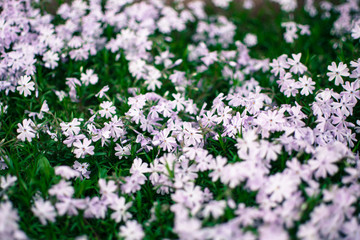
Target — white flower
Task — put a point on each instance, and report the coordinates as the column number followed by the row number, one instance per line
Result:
column 89, row 77
column 60, row 94
column 250, row 40
column 82, row 169
column 222, row 3
column 44, row 109
column 108, row 189
column 8, row 222
column 70, row 206
column 307, row 85
column 297, row 66
column 62, row 189
column 102, row 92
column 152, row 79
column 166, row 142
column 83, row 148
column 132, row 231
column 137, row 68
column 25, row 85
column 338, row 72
column 44, row 211
column 122, row 151
column 25, row 130
column 71, row 128
column 355, row 32
column 66, row 172
column 107, row 109
column 192, row 136
column 139, row 167
column 120, row 207
column 214, row 208
column 7, row 181
column 51, row 59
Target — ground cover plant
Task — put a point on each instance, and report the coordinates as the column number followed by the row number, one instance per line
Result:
column 179, row 120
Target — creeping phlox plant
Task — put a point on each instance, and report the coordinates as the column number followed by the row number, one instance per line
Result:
column 183, row 120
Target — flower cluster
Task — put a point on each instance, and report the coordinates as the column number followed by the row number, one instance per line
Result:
column 119, row 117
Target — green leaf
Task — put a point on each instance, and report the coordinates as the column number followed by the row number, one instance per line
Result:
column 44, row 168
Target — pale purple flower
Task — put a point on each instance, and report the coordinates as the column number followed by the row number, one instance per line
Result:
column 337, row 72
column 351, row 229
column 44, row 210
column 71, row 128
column 82, row 168
column 62, row 189
column 139, row 167
column 107, row 109
column 8, row 181
column 217, row 166
column 95, row 208
column 308, row 231
column 133, row 183
column 51, row 59
column 66, row 172
column 352, row 90
column 247, row 143
column 122, row 151
column 25, row 85
column 70, row 206
column 102, row 92
column 71, row 139
column 3, row 108
column 165, row 141
column 120, row 208
column 152, row 79
column 215, row 209
column 269, row 151
column 191, row 196
column 89, row 77
column 306, row 85
column 290, row 87
column 345, row 105
column 268, row 232
column 83, row 148
column 280, row 187
column 137, row 102
column 177, row 77
column 296, row 65
column 108, row 189
column 137, row 68
column 26, row 130
column 250, row 40
column 60, row 94
column 221, row 3
column 132, row 230
column 179, row 102
column 192, row 136
column 324, row 163
column 304, row 29
column 9, row 228
column 233, row 174
column 209, row 58
column 279, row 65
column 355, row 32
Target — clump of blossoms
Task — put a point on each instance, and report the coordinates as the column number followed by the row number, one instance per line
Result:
column 292, row 31
column 121, row 117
